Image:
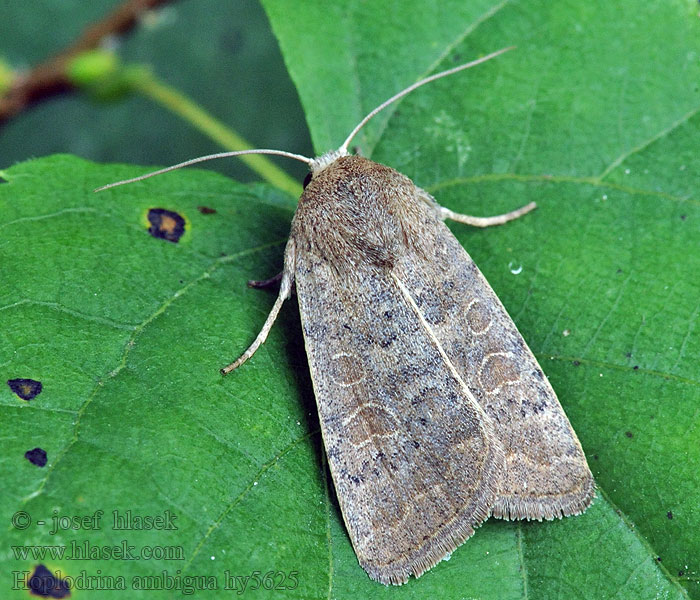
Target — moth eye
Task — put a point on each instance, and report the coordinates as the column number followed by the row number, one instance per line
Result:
column 307, row 180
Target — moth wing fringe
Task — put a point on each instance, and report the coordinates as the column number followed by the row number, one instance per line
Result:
column 535, row 510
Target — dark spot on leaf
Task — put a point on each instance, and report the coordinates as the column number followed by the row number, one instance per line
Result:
column 595, row 457
column 681, row 573
column 619, row 271
column 205, row 210
column 635, row 367
column 629, row 434
column 669, row 514
column 45, row 584
column 658, row 559
column 628, row 355
column 307, row 180
column 37, row 457
column 576, row 363
column 166, row 224
column 684, row 217
column 27, row 389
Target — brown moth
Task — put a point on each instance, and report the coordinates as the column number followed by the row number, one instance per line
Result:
column 434, row 412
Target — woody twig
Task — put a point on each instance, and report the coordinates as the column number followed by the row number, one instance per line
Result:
column 50, row 77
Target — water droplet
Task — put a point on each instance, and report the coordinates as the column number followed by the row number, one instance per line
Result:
column 627, row 171
column 682, row 167
column 515, row 268
column 566, row 332
column 605, row 196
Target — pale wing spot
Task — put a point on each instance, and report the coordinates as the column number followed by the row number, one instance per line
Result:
column 478, row 318
column 391, row 511
column 346, row 369
column 498, row 369
column 369, row 421
column 405, row 514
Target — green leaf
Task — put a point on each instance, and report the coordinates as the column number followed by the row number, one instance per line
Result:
column 590, row 117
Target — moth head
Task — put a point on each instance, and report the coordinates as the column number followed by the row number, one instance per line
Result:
column 319, row 163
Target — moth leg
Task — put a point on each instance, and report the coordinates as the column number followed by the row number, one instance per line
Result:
column 446, row 213
column 263, row 283
column 284, row 293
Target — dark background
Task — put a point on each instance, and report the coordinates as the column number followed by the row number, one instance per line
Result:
column 222, row 55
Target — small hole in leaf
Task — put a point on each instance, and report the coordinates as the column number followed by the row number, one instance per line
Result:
column 37, row 457
column 27, row 389
column 166, row 224
column 44, row 583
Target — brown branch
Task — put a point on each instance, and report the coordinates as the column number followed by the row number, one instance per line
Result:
column 49, row 78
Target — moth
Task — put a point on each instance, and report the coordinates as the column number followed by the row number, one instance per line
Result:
column 434, row 412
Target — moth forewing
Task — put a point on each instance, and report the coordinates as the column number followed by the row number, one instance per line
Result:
column 546, row 473
column 413, row 456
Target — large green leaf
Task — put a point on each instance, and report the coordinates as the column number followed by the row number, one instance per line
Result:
column 593, row 116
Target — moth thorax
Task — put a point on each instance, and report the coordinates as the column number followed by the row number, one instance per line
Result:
column 359, row 213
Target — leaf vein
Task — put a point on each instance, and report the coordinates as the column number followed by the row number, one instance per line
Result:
column 646, row 143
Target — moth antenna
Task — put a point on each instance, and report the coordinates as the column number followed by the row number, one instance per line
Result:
column 410, row 88
column 200, row 159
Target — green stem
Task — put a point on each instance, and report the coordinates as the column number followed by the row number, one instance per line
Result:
column 216, row 130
